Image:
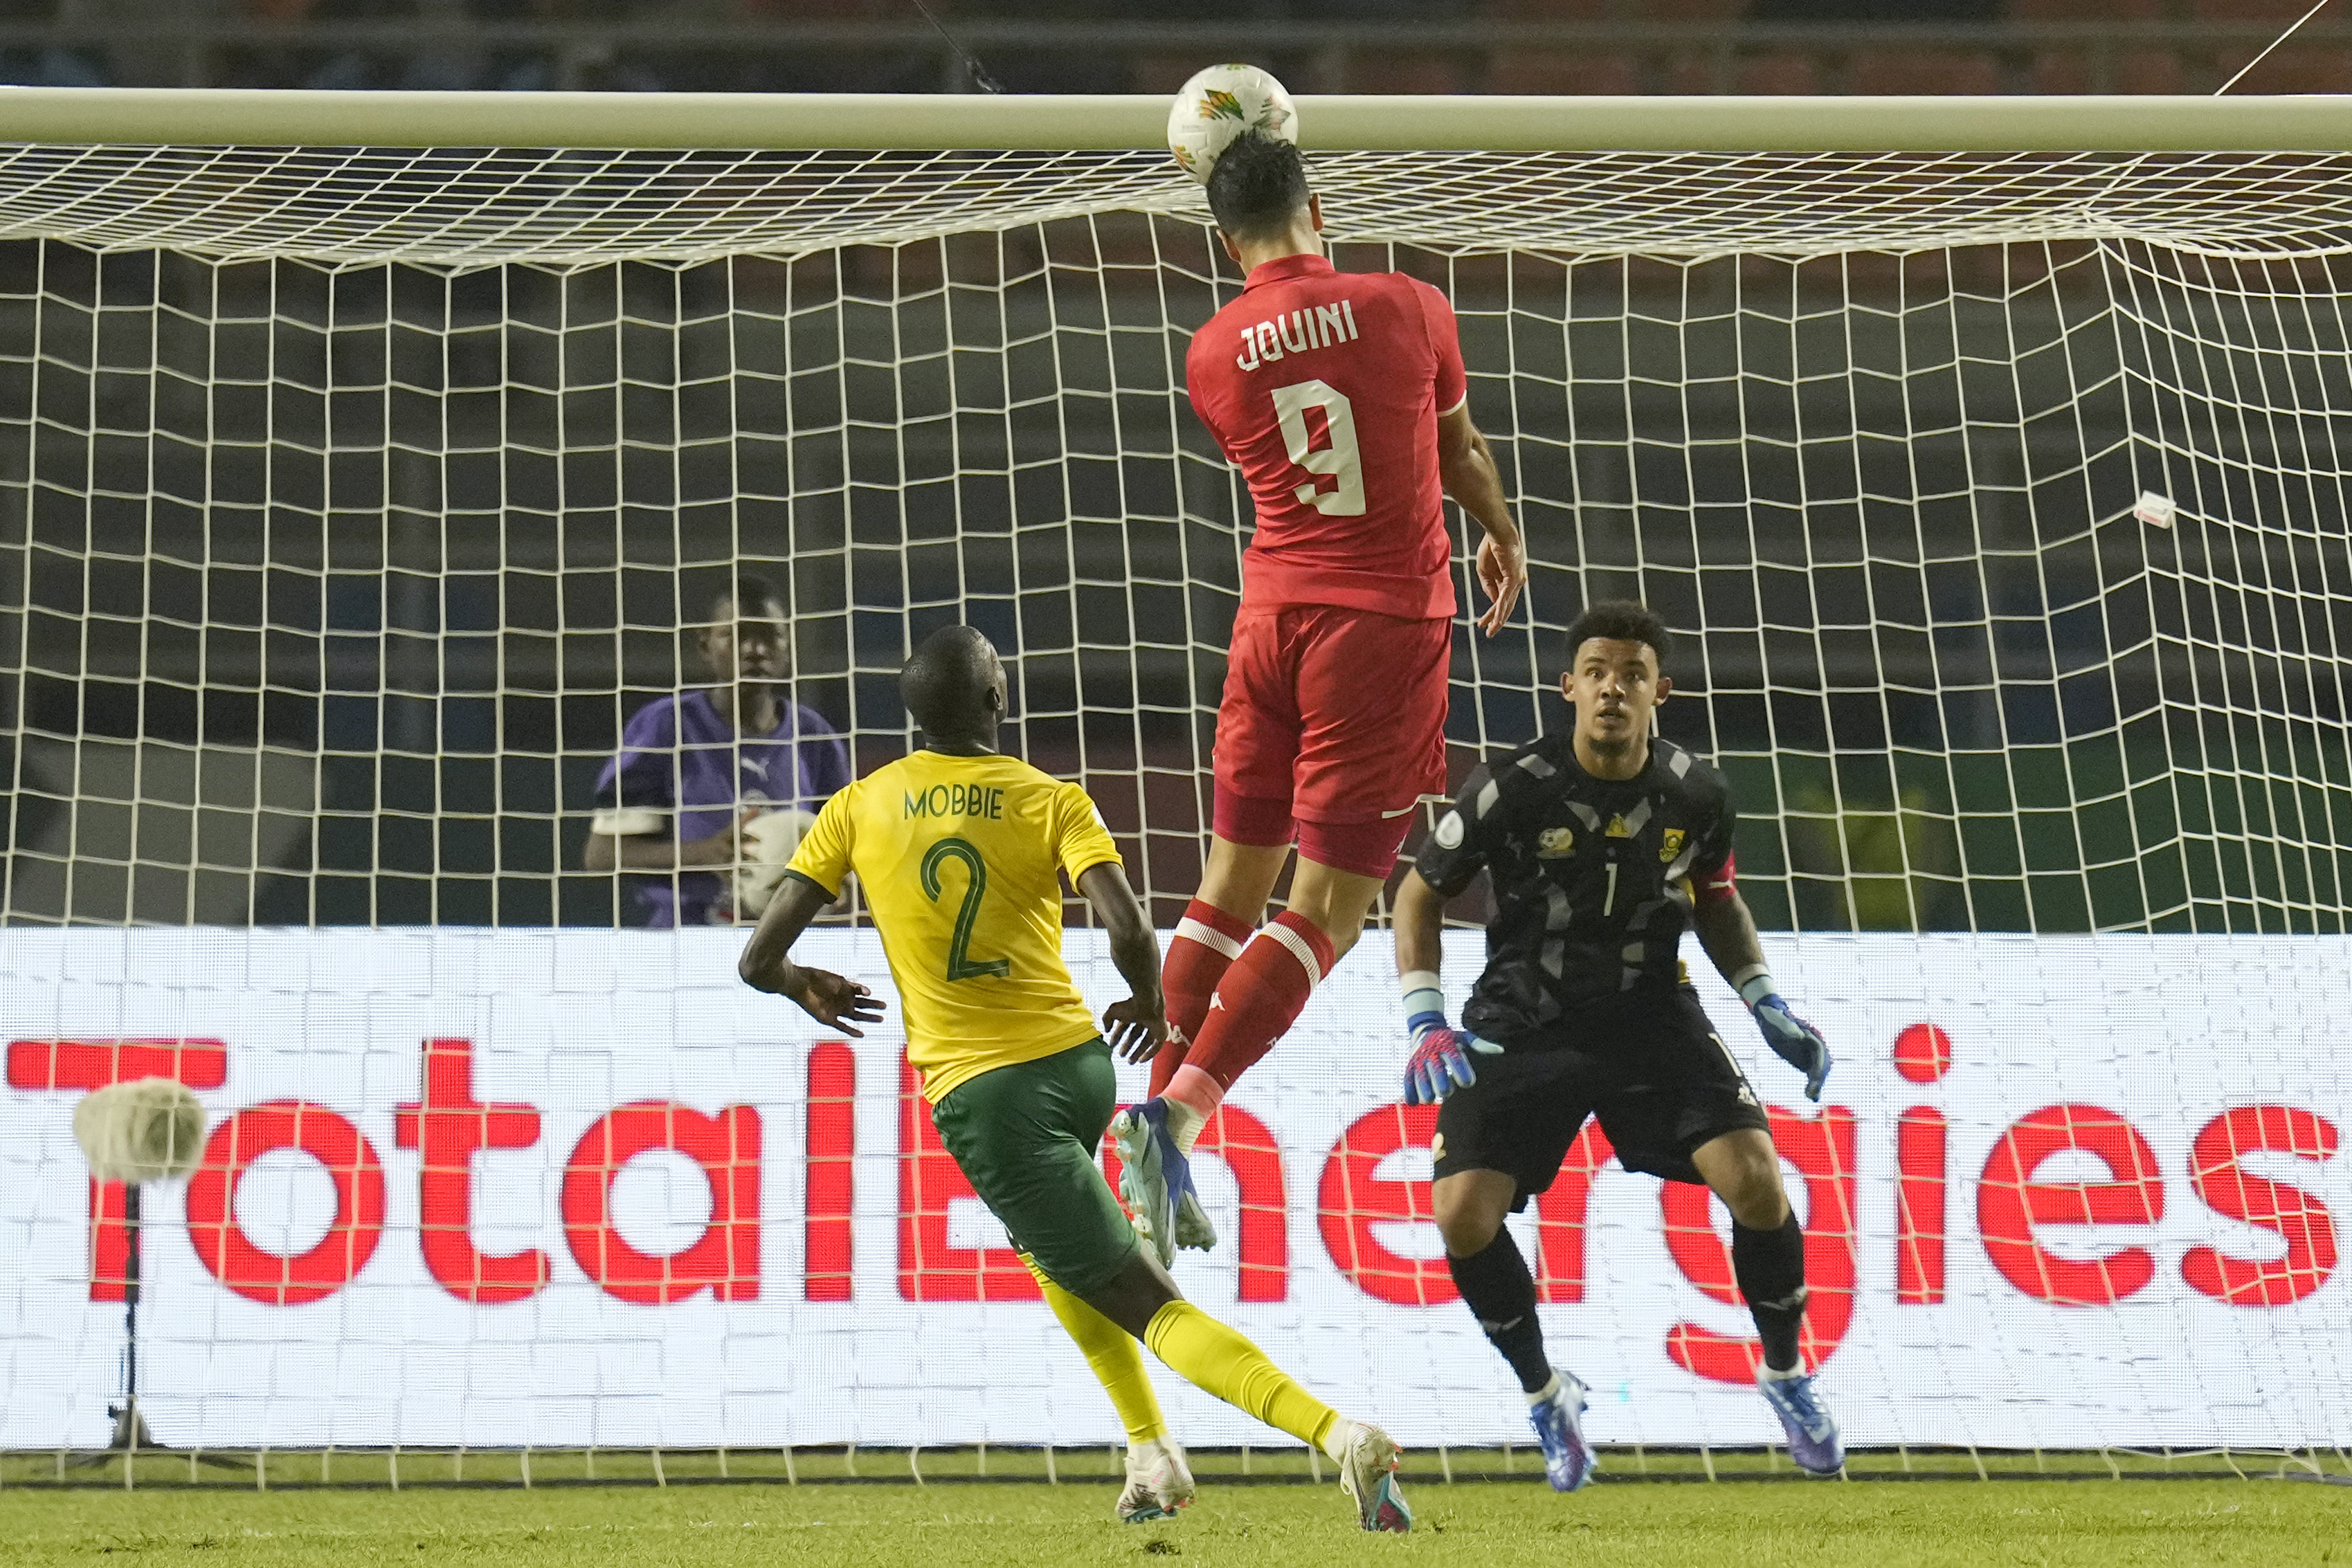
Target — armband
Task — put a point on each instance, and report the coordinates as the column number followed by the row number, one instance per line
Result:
column 1717, row 885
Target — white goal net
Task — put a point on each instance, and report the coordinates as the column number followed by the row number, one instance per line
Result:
column 355, row 500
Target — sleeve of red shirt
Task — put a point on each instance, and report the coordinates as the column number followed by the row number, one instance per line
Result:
column 1445, row 337
column 1196, row 388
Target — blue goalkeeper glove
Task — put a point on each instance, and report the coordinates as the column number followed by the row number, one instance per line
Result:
column 1792, row 1040
column 1440, row 1062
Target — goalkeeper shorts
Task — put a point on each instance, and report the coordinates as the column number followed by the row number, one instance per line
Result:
column 1025, row 1137
column 1648, row 1062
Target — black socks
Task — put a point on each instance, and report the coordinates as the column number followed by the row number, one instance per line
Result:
column 1770, row 1268
column 1501, row 1294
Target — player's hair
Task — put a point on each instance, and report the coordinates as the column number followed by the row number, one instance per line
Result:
column 1256, row 187
column 945, row 686
column 749, row 588
column 1619, row 621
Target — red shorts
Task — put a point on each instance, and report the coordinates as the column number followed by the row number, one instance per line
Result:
column 1335, row 717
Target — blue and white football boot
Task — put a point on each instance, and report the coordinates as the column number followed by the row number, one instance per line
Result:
column 1813, row 1440
column 1569, row 1459
column 1156, row 1180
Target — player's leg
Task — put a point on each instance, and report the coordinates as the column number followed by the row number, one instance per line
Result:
column 1268, row 986
column 1768, row 1259
column 1025, row 1137
column 1499, row 1141
column 1371, row 695
column 1235, row 883
column 1158, row 1476
column 1255, row 750
column 1219, row 1360
column 1257, row 746
column 1696, row 1118
column 1010, row 1131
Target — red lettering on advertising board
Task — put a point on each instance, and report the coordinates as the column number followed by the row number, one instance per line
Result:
column 725, row 1259
column 87, row 1064
column 2011, row 1203
column 2298, row 1218
column 930, row 1270
column 449, row 1126
column 1560, row 1216
column 1352, row 1200
column 272, row 1278
column 830, row 1240
column 1822, row 1150
column 1249, row 1151
column 1920, row 1137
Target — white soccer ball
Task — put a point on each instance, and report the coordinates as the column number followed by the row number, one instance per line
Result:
column 768, row 844
column 1218, row 105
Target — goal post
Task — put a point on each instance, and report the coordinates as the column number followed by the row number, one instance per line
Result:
column 1112, row 123
column 369, row 463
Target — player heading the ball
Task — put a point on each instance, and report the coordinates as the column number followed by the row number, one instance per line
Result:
column 962, row 852
column 1603, row 845
column 1342, row 398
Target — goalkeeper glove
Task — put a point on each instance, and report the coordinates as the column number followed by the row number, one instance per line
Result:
column 1792, row 1040
column 1438, row 1064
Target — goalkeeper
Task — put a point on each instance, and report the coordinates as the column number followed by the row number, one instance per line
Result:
column 959, row 851
column 1603, row 845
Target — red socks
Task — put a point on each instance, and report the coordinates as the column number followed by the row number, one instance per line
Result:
column 1260, row 997
column 1206, row 943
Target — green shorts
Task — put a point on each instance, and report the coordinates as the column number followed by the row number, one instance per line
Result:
column 1026, row 1136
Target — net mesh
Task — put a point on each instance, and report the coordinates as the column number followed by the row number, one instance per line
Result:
column 355, row 501
column 472, row 207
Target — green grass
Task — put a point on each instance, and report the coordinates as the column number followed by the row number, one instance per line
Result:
column 560, row 1522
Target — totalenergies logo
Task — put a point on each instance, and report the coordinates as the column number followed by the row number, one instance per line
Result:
column 2034, row 1177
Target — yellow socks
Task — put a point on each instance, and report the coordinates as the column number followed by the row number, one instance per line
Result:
column 1116, row 1360
column 1211, row 1356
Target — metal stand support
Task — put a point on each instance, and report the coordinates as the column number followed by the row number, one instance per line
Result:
column 131, row 1434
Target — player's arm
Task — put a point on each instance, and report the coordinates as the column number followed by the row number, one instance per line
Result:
column 1138, row 1026
column 834, row 1000
column 1440, row 1061
column 1727, row 932
column 609, row 849
column 636, row 812
column 1465, row 464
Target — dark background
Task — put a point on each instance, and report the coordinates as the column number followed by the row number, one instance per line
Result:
column 351, row 577
column 1931, row 47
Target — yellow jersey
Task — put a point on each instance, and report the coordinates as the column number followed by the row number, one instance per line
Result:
column 960, row 858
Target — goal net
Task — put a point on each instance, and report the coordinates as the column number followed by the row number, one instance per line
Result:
column 357, row 499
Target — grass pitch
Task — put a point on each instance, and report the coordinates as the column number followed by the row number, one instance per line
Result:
column 960, row 1518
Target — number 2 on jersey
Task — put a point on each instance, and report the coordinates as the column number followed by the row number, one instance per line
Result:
column 1342, row 459
column 960, row 966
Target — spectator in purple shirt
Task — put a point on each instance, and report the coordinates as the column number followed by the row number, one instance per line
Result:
column 695, row 768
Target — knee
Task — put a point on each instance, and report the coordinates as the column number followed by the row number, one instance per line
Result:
column 1754, row 1194
column 1467, row 1225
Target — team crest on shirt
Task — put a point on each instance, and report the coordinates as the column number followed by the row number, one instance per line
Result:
column 1672, row 847
column 1617, row 829
column 1554, row 842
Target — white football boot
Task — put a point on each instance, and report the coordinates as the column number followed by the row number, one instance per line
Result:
column 1367, row 1463
column 1158, row 1481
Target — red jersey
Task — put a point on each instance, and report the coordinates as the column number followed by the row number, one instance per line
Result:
column 1324, row 388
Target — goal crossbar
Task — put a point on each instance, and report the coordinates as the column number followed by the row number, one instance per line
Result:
column 1108, row 122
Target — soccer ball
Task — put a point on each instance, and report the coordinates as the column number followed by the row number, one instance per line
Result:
column 769, row 841
column 1218, row 105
